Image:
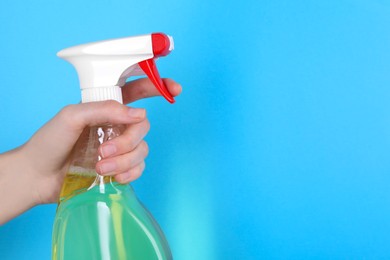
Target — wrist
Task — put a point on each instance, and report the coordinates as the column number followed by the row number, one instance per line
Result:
column 16, row 182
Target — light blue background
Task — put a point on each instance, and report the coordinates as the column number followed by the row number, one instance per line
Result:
column 279, row 145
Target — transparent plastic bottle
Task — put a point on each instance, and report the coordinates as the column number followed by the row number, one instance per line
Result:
column 98, row 218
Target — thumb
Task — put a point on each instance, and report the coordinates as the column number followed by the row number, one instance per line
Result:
column 79, row 116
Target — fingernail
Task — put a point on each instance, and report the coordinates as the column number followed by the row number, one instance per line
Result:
column 108, row 150
column 137, row 112
column 107, row 167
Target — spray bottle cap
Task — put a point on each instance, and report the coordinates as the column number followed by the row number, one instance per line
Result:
column 104, row 66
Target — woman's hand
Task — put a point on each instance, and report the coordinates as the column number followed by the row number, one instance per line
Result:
column 33, row 173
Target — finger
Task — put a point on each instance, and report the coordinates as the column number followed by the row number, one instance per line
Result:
column 144, row 88
column 122, row 163
column 127, row 141
column 70, row 122
column 131, row 174
column 99, row 113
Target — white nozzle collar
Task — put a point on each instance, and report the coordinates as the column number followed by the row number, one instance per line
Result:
column 101, row 94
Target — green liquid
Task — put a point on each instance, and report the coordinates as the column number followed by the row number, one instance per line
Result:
column 107, row 222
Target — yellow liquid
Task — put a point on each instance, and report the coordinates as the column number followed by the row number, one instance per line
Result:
column 76, row 183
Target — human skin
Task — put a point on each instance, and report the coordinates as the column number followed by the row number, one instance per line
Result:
column 33, row 173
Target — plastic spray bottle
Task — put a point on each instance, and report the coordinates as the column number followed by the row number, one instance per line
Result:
column 98, row 218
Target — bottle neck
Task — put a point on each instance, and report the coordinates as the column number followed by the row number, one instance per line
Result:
column 101, row 94
column 82, row 175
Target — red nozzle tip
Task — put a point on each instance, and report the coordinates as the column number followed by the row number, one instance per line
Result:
column 161, row 44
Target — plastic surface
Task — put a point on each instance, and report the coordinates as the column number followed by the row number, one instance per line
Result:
column 100, row 94
column 150, row 69
column 107, row 225
column 107, row 64
column 162, row 44
column 98, row 218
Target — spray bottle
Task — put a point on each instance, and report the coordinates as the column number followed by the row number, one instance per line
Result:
column 98, row 218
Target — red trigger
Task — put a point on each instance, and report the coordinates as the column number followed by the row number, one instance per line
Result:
column 150, row 69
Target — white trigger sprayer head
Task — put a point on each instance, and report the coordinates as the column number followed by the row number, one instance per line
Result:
column 104, row 66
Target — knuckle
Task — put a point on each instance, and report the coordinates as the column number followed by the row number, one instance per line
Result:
column 131, row 174
column 145, row 148
column 142, row 168
column 142, row 92
column 123, row 164
column 147, row 125
column 67, row 113
column 137, row 171
column 121, row 178
column 115, row 108
column 131, row 144
column 109, row 104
